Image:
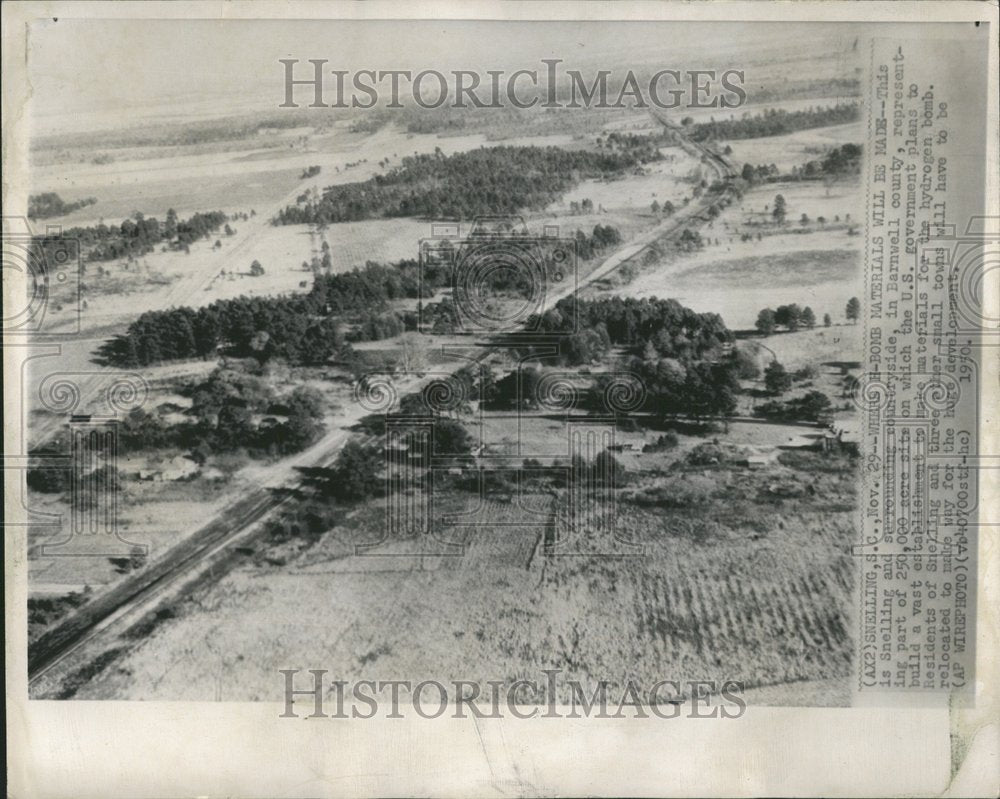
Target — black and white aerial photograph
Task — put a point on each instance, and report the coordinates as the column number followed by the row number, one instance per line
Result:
column 447, row 390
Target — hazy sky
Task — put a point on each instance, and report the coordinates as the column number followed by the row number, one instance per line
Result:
column 81, row 67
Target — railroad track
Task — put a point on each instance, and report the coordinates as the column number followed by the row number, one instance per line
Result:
column 89, row 620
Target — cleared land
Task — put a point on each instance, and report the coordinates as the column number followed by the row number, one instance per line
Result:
column 731, row 581
column 794, row 149
column 815, row 264
column 661, row 181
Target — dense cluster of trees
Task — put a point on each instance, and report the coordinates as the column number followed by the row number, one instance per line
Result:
column 246, row 326
column 694, row 388
column 760, row 173
column 303, row 329
column 601, row 238
column 232, row 410
column 487, row 181
column 791, row 317
column 672, row 330
column 356, row 474
column 41, row 477
column 135, row 236
column 839, row 162
column 690, row 240
column 813, row 406
column 661, row 328
column 774, row 122
column 688, row 387
column 777, row 380
column 48, row 204
column 372, row 286
column 681, row 358
column 636, row 144
column 843, row 160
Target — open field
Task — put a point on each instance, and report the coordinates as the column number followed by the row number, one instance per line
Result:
column 154, row 187
column 794, row 149
column 725, row 587
column 804, row 347
column 171, row 278
column 157, row 515
column 353, row 244
column 640, row 121
column 815, row 265
column 662, row 181
column 244, row 175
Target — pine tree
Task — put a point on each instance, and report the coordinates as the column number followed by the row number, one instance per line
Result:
column 853, row 310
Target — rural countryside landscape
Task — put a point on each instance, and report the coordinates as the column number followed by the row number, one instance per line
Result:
column 456, row 393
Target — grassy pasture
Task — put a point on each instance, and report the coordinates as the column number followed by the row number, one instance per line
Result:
column 725, row 587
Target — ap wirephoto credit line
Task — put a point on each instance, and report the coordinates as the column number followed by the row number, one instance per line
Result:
column 533, row 389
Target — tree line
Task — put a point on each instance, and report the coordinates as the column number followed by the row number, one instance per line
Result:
column 774, row 122
column 791, row 317
column 180, row 134
column 48, row 204
column 304, row 329
column 134, row 237
column 600, row 239
column 231, row 410
column 672, row 330
column 487, row 181
column 840, row 161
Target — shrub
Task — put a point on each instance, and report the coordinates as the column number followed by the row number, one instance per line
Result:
column 356, row 475
column 675, row 495
column 776, row 378
column 707, row 454
column 665, row 442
